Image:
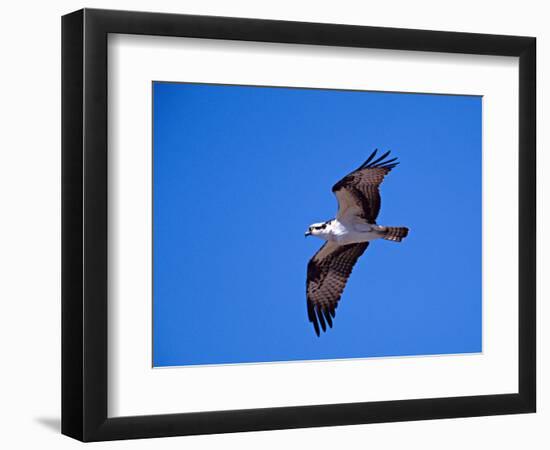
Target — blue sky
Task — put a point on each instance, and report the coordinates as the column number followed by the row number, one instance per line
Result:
column 239, row 174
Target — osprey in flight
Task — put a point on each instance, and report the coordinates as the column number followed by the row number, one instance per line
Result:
column 347, row 237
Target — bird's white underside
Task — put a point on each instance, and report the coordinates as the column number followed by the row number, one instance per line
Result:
column 349, row 229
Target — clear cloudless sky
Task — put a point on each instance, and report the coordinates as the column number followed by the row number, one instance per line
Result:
column 239, row 174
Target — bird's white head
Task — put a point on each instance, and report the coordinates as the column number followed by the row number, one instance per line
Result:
column 321, row 230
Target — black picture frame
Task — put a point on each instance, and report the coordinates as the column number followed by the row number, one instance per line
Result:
column 84, row 224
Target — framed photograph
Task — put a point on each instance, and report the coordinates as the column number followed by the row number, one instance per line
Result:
column 273, row 224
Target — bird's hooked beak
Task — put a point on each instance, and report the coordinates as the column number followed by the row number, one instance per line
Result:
column 307, row 233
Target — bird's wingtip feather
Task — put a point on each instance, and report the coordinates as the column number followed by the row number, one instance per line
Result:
column 373, row 163
column 369, row 159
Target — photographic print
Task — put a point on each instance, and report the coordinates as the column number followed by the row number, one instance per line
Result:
column 251, row 203
column 300, row 224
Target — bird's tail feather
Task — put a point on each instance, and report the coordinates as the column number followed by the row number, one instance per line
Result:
column 396, row 234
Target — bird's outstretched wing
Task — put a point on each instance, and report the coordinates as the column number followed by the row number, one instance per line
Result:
column 327, row 274
column 358, row 193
